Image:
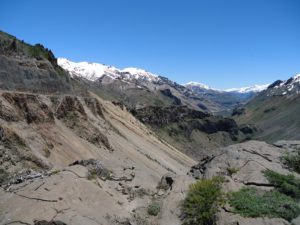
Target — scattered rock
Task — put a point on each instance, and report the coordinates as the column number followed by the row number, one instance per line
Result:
column 238, row 111
column 166, row 182
column 197, row 171
column 26, row 175
column 95, row 168
column 288, row 145
column 119, row 104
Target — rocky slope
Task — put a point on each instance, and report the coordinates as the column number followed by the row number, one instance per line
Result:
column 41, row 135
column 24, row 67
column 158, row 98
column 193, row 132
column 275, row 111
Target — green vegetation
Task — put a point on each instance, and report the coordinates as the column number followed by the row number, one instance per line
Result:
column 252, row 202
column 278, row 203
column 286, row 184
column 94, row 173
column 201, row 203
column 292, row 161
column 37, row 51
column 153, row 209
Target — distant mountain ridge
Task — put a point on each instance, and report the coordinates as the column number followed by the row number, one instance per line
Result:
column 275, row 110
column 194, row 94
column 255, row 88
column 94, row 71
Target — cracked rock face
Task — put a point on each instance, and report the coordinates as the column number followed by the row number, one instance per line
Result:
column 242, row 165
column 44, row 222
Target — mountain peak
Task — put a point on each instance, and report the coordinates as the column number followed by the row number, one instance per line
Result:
column 290, row 86
column 255, row 88
column 94, row 71
column 197, row 84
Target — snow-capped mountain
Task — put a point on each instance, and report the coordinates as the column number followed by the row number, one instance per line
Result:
column 254, row 88
column 290, row 86
column 229, row 98
column 193, row 84
column 139, row 82
column 94, row 71
column 243, row 90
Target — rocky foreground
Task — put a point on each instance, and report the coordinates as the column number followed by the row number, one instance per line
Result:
column 86, row 192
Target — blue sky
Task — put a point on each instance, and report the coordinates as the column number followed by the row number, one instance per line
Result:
column 223, row 43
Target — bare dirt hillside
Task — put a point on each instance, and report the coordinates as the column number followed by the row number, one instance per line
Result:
column 118, row 165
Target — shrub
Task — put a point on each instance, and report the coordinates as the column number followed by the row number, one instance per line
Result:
column 202, row 201
column 251, row 202
column 286, row 184
column 153, row 209
column 292, row 161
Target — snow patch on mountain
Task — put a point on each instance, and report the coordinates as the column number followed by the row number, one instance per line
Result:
column 290, row 86
column 243, row 90
column 94, row 71
column 197, row 84
column 254, row 88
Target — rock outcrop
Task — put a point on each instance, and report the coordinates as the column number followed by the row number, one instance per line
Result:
column 192, row 131
column 242, row 165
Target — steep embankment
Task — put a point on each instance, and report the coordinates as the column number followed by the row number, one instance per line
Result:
column 25, row 67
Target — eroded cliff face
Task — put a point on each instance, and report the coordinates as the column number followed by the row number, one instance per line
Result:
column 192, row 131
column 29, row 68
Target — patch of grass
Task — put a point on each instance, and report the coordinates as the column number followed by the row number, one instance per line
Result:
column 292, row 160
column 153, row 209
column 286, row 184
column 252, row 202
column 201, row 203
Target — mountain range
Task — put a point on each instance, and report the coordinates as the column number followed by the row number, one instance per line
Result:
column 209, row 99
column 275, row 111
